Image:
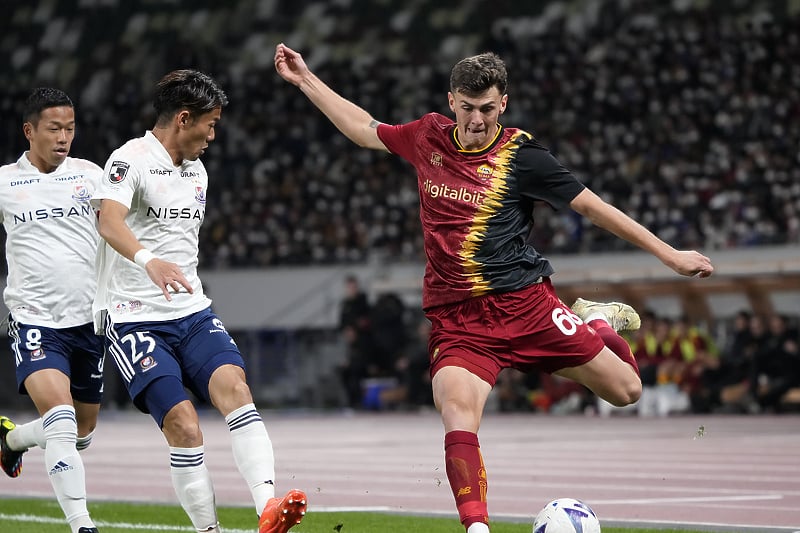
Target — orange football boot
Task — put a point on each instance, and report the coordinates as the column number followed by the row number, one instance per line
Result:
column 282, row 514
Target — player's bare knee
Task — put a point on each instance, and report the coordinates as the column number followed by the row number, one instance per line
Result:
column 182, row 429
column 183, row 435
column 629, row 393
column 622, row 394
column 231, row 397
column 241, row 393
column 636, row 392
column 461, row 414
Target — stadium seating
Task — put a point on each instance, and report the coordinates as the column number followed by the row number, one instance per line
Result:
column 683, row 118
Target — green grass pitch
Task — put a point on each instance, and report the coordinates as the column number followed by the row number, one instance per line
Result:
column 44, row 516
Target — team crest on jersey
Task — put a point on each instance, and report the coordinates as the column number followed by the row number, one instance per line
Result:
column 119, row 169
column 199, row 194
column 485, row 171
column 436, row 159
column 81, row 193
column 37, row 354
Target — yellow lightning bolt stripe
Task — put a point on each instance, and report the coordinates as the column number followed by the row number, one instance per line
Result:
column 493, row 196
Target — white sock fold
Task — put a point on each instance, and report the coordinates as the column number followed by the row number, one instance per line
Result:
column 26, row 436
column 192, row 483
column 83, row 442
column 252, row 450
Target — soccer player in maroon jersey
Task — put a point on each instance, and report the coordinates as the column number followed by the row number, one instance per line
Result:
column 487, row 292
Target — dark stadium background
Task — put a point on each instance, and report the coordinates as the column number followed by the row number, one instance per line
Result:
column 685, row 114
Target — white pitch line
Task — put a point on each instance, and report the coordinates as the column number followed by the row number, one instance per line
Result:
column 111, row 525
column 649, row 501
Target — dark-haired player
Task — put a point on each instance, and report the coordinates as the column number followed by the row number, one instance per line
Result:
column 487, row 292
column 159, row 324
column 51, row 242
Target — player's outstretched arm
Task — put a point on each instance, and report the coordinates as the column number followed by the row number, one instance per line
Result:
column 605, row 215
column 353, row 121
column 113, row 229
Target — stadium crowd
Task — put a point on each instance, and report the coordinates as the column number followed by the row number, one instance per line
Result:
column 684, row 114
column 685, row 117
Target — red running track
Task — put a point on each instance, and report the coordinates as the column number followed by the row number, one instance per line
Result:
column 737, row 473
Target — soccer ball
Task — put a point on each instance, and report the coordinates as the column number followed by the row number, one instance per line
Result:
column 566, row 515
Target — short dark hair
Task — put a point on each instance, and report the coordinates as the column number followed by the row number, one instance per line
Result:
column 43, row 98
column 477, row 74
column 187, row 89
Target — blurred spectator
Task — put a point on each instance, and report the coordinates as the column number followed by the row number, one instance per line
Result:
column 354, row 310
column 559, row 396
column 777, row 364
column 737, row 397
column 734, row 366
column 698, row 354
column 646, row 347
column 411, row 371
column 356, row 329
column 389, row 331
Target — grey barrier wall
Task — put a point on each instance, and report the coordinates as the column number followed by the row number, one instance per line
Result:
column 308, row 297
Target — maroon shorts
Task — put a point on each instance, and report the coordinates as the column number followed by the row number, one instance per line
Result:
column 530, row 330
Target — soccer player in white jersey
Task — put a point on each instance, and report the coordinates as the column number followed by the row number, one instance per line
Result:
column 51, row 242
column 159, row 327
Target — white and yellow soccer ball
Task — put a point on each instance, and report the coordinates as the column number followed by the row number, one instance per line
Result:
column 566, row 515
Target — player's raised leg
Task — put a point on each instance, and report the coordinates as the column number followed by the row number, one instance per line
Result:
column 613, row 374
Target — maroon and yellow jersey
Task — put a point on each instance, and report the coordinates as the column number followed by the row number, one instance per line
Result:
column 476, row 207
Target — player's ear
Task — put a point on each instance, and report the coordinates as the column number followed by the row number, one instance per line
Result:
column 27, row 129
column 183, row 118
column 503, row 103
column 451, row 101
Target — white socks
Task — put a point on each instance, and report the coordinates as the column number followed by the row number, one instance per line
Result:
column 252, row 450
column 192, row 484
column 478, row 527
column 28, row 435
column 64, row 465
column 83, row 442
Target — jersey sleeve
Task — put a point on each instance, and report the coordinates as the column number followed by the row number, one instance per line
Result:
column 118, row 182
column 543, row 177
column 400, row 139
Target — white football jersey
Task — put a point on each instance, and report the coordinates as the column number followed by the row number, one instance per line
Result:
column 167, row 205
column 51, row 240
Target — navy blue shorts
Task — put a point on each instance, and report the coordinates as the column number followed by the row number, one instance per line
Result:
column 189, row 349
column 76, row 351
